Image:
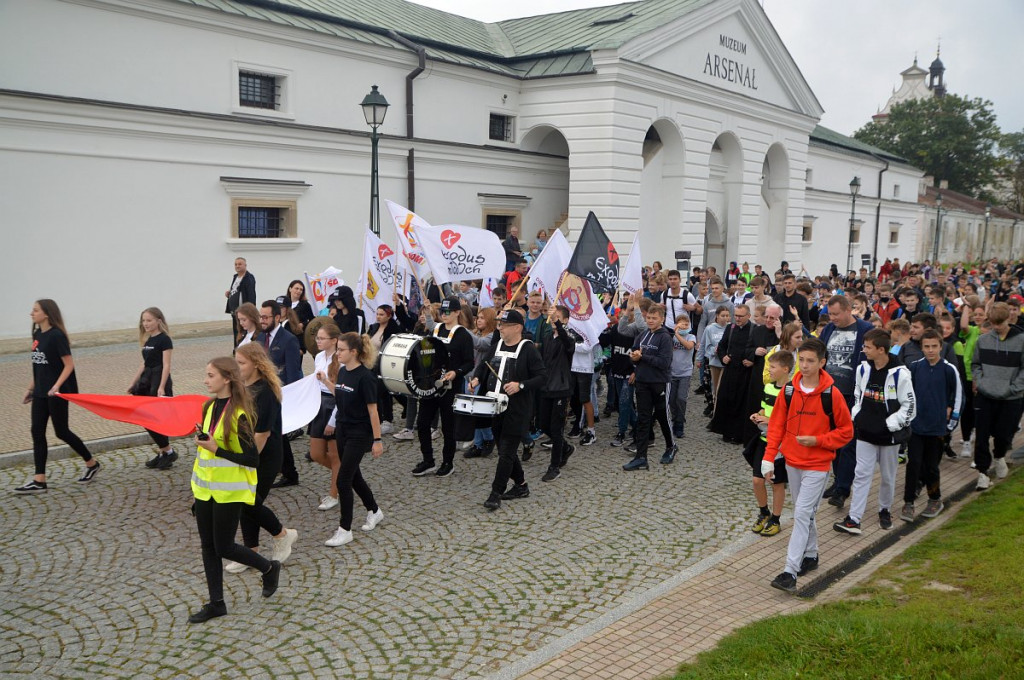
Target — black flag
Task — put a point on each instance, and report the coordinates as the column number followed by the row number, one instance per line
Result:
column 595, row 258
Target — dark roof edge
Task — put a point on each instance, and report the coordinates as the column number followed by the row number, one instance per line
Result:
column 874, row 150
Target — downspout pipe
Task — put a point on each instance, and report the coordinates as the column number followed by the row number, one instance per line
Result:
column 421, row 57
column 878, row 210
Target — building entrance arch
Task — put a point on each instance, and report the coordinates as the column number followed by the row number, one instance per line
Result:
column 724, row 201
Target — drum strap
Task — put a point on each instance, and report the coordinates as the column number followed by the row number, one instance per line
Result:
column 505, row 356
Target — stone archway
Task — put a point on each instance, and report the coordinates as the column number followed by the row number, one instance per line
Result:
column 661, row 193
column 549, row 140
column 724, row 201
column 771, row 232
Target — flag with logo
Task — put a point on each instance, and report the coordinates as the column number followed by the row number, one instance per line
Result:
column 549, row 266
column 319, row 287
column 632, row 275
column 586, row 315
column 595, row 258
column 457, row 253
column 406, row 223
column 487, row 292
column 377, row 278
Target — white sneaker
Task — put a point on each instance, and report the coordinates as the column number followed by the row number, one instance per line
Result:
column 340, row 537
column 386, row 427
column 283, row 546
column 327, row 503
column 405, row 434
column 234, row 567
column 983, row 481
column 373, row 519
column 435, row 433
column 967, row 451
column 463, row 446
column 1002, row 469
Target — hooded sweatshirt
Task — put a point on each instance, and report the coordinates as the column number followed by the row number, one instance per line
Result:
column 804, row 417
column 998, row 365
column 884, row 401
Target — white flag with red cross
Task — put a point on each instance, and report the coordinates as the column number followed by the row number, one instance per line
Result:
column 377, row 279
column 458, row 253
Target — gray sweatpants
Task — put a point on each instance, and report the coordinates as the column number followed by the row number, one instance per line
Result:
column 869, row 455
column 806, row 487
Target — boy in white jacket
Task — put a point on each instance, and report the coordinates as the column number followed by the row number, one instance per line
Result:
column 884, row 405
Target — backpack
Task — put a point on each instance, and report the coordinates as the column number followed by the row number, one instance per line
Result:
column 826, row 404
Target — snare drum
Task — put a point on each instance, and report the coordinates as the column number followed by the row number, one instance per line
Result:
column 413, row 365
column 483, row 405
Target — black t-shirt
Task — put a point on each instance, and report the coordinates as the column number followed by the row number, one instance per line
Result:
column 48, row 348
column 268, row 408
column 352, row 392
column 870, row 423
column 153, row 351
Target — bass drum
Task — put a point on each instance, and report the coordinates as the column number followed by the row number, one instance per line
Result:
column 413, row 365
column 309, row 335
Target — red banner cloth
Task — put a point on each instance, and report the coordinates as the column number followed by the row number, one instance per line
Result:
column 170, row 416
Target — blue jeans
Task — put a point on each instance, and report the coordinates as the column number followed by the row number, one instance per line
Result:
column 627, row 414
column 680, row 391
column 482, row 434
column 845, row 464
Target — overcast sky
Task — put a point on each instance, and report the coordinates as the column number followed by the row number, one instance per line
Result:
column 852, row 53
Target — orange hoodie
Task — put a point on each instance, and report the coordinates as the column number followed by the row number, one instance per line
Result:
column 807, row 417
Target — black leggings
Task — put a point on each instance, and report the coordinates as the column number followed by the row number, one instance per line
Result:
column 45, row 409
column 352, row 446
column 551, row 420
column 923, row 456
column 217, row 524
column 161, row 440
column 429, row 409
column 255, row 517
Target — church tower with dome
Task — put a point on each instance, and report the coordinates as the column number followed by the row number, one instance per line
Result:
column 917, row 84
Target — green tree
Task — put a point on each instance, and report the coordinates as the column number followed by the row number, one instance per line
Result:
column 1011, row 180
column 950, row 138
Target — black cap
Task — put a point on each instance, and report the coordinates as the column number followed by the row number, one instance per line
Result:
column 451, row 304
column 283, row 301
column 511, row 316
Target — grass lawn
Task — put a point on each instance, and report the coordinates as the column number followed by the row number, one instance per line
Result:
column 951, row 606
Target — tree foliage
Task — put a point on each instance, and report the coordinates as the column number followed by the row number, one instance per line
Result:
column 1011, row 180
column 950, row 138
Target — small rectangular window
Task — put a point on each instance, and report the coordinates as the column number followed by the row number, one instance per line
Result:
column 894, row 233
column 500, row 224
column 807, row 235
column 261, row 222
column 809, row 177
column 258, row 91
column 895, row 190
column 501, row 128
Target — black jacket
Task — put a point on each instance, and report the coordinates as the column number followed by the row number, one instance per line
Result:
column 529, row 370
column 246, row 292
column 557, row 353
column 655, row 365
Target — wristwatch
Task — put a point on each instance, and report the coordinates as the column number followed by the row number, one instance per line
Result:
column 521, row 388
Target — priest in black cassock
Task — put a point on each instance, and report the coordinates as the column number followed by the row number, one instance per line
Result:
column 763, row 337
column 731, row 404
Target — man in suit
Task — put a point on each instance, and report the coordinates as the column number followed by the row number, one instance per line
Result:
column 243, row 289
column 283, row 348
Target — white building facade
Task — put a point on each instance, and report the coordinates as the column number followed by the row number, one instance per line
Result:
column 144, row 144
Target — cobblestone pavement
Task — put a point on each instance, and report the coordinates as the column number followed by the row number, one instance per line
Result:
column 98, row 579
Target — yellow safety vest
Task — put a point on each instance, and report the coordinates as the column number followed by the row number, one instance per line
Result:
column 771, row 393
column 218, row 478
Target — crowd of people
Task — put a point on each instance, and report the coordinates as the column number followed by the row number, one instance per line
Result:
column 805, row 375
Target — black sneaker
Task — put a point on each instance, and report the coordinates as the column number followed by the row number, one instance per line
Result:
column 618, row 440
column 166, row 461
column 487, row 449
column 785, row 581
column 152, row 462
column 567, row 450
column 283, row 481
column 830, row 491
column 527, row 451
column 709, row 410
column 701, row 389
column 606, row 413
column 90, row 473
column 31, row 487
column 884, row 519
column 636, row 464
column 669, row 455
column 631, row 446
column 588, row 438
column 271, row 578
column 838, row 499
column 473, row 452
column 209, row 611
column 551, row 475
column 517, row 491
column 423, row 468
column 493, row 501
column 574, row 432
column 808, row 564
column 445, row 470
column 847, row 526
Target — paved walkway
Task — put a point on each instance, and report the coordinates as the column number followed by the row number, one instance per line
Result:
column 601, row 574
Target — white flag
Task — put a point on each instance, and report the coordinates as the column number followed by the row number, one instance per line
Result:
column 457, row 253
column 319, row 287
column 377, row 279
column 300, row 402
column 549, row 265
column 632, row 276
column 586, row 315
column 486, row 292
column 406, row 223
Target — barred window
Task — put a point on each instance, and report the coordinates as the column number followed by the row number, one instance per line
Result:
column 260, row 222
column 500, row 224
column 258, row 91
column 501, row 128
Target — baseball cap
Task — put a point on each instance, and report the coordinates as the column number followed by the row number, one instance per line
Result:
column 451, row 304
column 511, row 316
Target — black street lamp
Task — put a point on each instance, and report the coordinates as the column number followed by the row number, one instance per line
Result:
column 375, row 107
column 984, row 237
column 938, row 226
column 854, row 190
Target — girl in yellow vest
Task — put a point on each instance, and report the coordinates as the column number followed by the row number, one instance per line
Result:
column 224, row 481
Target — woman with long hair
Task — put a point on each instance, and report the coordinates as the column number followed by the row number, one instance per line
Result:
column 379, row 332
column 248, row 323
column 296, row 299
column 789, row 341
column 224, row 480
column 483, row 338
column 53, row 371
column 350, row 318
column 322, row 448
column 358, row 431
column 153, row 379
column 260, row 377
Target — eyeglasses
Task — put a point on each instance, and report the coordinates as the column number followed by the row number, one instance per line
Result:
column 265, row 317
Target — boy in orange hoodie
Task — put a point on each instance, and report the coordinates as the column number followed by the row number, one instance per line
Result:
column 807, row 426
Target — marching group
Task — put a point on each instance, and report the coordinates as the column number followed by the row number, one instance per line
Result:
column 872, row 371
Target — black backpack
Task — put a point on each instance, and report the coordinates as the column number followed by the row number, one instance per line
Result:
column 826, row 404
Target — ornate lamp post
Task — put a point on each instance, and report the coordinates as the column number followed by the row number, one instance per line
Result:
column 938, row 227
column 854, row 190
column 984, row 236
column 375, row 107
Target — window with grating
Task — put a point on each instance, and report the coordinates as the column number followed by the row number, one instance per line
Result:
column 501, row 128
column 258, row 91
column 261, row 222
column 500, row 224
